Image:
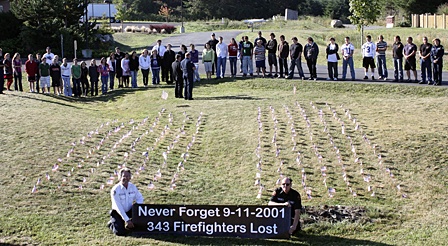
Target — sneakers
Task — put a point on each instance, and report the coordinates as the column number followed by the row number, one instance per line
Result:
column 335, row 79
column 385, row 78
column 422, row 82
column 373, row 77
column 329, row 79
column 365, row 77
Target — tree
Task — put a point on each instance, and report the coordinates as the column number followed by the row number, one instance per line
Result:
column 165, row 11
column 364, row 12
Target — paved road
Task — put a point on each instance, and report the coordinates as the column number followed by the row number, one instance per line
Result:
column 199, row 38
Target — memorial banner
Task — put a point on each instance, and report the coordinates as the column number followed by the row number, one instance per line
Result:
column 213, row 221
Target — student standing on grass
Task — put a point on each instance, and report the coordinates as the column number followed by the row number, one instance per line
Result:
column 49, row 56
column 437, row 53
column 123, row 196
column 208, row 59
column 133, row 67
column 76, row 77
column 168, row 58
column 248, row 49
column 368, row 54
column 38, row 61
column 178, row 76
column 55, row 74
column 194, row 57
column 397, row 53
column 260, row 58
column 17, row 68
column 126, row 70
column 232, row 50
column 145, row 64
column 156, row 61
column 283, row 53
column 182, row 51
column 31, row 70
column 7, row 64
column 311, row 52
column 84, row 78
column 295, row 55
column 221, row 54
column 410, row 50
column 425, row 61
column 188, row 73
column 119, row 71
column 347, row 51
column 65, row 74
column 94, row 77
column 103, row 70
column 2, row 72
column 112, row 63
column 44, row 72
column 160, row 52
column 332, row 59
column 271, row 46
column 213, row 42
column 381, row 47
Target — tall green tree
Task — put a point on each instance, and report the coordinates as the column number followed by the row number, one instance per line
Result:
column 364, row 12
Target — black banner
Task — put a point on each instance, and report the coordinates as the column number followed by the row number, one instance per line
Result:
column 213, row 221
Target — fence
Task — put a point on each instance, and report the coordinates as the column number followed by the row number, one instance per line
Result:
column 429, row 21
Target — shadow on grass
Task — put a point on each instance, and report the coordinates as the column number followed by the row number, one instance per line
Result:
column 301, row 239
column 237, row 97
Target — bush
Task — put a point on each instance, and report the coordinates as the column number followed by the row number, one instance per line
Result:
column 442, row 9
column 168, row 28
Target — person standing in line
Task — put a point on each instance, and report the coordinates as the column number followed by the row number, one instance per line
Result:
column 295, row 54
column 248, row 52
column 178, row 77
column 126, row 70
column 44, row 72
column 94, row 78
column 232, row 50
column 347, row 51
column 271, row 46
column 410, row 51
column 66, row 73
column 283, row 53
column 31, row 70
column 160, row 52
column 332, row 59
column 368, row 54
column 221, row 50
column 76, row 78
column 240, row 53
column 188, row 73
column 112, row 63
column 425, row 61
column 8, row 71
column 84, row 79
column 437, row 53
column 194, row 57
column 133, row 67
column 208, row 59
column 260, row 58
column 103, row 70
column 49, row 56
column 155, row 67
column 2, row 73
column 263, row 42
column 119, row 71
column 182, row 51
column 213, row 42
column 381, row 47
column 311, row 52
column 38, row 61
column 17, row 70
column 145, row 64
column 167, row 60
column 397, row 54
column 55, row 74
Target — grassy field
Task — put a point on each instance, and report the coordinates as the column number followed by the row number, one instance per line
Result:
column 406, row 124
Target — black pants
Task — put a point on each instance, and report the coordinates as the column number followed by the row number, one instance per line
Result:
column 188, row 83
column 18, row 81
column 117, row 223
column 85, row 87
column 94, row 87
column 37, row 83
column 167, row 73
column 215, row 64
column 179, row 88
column 283, row 63
column 311, row 63
column 2, row 81
column 437, row 70
column 332, row 70
column 145, row 73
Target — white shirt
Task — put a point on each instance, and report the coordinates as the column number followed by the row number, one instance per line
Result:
column 111, row 67
column 368, row 49
column 332, row 57
column 347, row 49
column 221, row 50
column 49, row 57
column 122, row 198
column 145, row 62
column 66, row 70
column 160, row 49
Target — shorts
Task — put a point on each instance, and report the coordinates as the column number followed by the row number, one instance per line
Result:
column 45, row 81
column 56, row 82
column 261, row 63
column 31, row 78
column 208, row 67
column 410, row 64
column 272, row 59
column 368, row 61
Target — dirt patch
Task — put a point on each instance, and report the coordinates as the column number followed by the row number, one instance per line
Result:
column 335, row 214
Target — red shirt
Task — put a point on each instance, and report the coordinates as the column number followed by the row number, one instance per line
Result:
column 233, row 50
column 31, row 68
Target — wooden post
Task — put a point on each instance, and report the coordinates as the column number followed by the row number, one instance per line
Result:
column 426, row 20
column 444, row 21
column 435, row 21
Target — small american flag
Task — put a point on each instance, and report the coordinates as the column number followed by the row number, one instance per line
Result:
column 164, row 95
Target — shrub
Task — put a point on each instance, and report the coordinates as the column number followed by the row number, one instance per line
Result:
column 168, row 28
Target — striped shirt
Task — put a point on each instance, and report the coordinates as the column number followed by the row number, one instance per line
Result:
column 381, row 45
column 260, row 53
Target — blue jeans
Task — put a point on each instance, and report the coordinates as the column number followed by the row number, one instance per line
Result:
column 196, row 76
column 104, row 80
column 155, row 76
column 134, row 79
column 77, row 87
column 67, row 86
column 381, row 64
column 426, row 69
column 348, row 62
column 221, row 69
column 398, row 68
column 248, row 67
column 296, row 63
column 232, row 61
